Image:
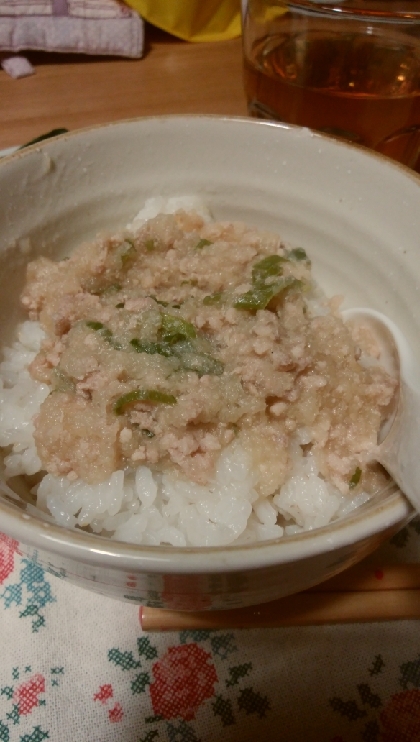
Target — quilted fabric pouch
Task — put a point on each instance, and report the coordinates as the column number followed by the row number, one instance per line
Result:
column 83, row 26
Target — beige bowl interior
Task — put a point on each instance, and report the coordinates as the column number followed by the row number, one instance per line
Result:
column 356, row 214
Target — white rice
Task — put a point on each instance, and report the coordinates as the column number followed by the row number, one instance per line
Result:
column 151, row 508
column 160, row 205
column 143, row 507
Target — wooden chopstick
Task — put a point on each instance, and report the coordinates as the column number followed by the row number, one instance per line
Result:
column 304, row 609
column 373, row 577
column 359, row 595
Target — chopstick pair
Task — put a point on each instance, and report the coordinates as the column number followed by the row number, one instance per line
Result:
column 360, row 594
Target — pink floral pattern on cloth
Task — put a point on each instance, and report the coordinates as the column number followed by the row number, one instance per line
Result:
column 400, row 719
column 183, row 679
column 27, row 694
column 8, row 548
column 76, row 665
column 80, row 26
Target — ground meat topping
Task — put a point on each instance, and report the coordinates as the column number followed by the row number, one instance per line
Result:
column 165, row 343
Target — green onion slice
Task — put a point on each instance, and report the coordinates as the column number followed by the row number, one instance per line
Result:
column 142, row 395
column 105, row 333
column 147, row 346
column 268, row 267
column 129, row 252
column 150, row 244
column 95, row 325
column 260, row 296
column 202, row 243
column 173, row 329
column 355, row 479
column 212, row 299
column 298, row 253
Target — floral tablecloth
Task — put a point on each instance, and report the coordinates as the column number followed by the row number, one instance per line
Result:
column 76, row 667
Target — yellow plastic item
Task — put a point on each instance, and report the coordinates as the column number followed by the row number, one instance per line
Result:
column 193, row 20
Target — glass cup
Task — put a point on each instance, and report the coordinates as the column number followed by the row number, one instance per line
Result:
column 349, row 68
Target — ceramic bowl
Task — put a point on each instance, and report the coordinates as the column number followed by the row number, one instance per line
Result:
column 358, row 216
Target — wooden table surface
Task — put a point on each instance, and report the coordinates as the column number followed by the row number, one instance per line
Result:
column 74, row 91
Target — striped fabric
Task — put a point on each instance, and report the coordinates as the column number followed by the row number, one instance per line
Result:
column 69, row 8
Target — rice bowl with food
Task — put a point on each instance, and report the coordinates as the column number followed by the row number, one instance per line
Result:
column 186, row 382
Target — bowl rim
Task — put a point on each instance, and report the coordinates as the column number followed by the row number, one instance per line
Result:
column 97, row 550
column 23, row 150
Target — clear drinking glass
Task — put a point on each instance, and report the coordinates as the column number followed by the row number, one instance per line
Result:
column 350, row 68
